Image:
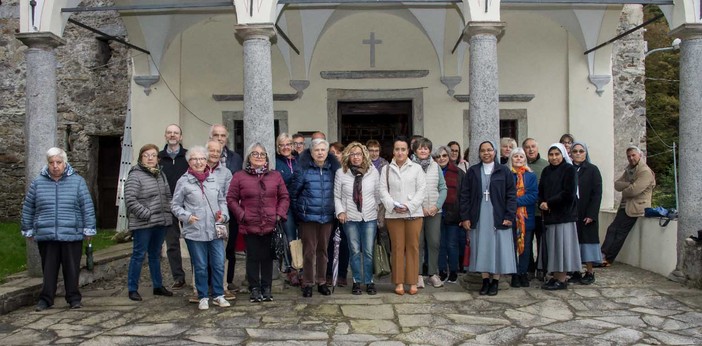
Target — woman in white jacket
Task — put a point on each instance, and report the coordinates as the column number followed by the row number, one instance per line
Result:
column 356, row 205
column 402, row 190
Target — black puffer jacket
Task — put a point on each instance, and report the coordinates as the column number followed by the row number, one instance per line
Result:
column 148, row 199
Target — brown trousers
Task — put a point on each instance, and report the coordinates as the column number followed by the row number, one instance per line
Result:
column 404, row 237
column 314, row 237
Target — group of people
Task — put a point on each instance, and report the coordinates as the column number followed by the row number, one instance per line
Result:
column 428, row 199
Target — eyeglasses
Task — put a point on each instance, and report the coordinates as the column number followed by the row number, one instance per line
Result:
column 566, row 142
column 258, row 155
column 488, row 150
column 355, row 154
column 198, row 159
column 299, row 144
column 149, row 156
column 286, row 145
column 577, row 151
column 443, row 156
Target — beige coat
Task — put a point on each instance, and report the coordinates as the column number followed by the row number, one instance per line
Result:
column 636, row 194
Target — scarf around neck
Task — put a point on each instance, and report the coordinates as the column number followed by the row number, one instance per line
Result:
column 358, row 173
column 256, row 171
column 156, row 171
column 201, row 177
column 423, row 162
column 522, row 214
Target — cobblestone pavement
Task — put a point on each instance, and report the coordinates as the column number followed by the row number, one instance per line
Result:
column 625, row 306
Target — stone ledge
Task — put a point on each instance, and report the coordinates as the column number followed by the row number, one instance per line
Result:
column 373, row 74
column 22, row 290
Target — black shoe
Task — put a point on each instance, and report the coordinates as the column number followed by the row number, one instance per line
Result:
column 266, row 293
column 524, row 280
column 486, row 286
column 443, row 276
column 307, row 291
column 323, row 289
column 162, row 291
column 41, row 306
column 515, row 282
column 557, row 285
column 588, row 278
column 494, row 287
column 453, row 276
column 134, row 295
column 370, row 289
column 549, row 283
column 179, row 284
column 75, row 305
column 575, row 277
column 356, row 289
column 255, row 296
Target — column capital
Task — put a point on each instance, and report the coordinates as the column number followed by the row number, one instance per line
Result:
column 255, row 31
column 478, row 28
column 40, row 40
column 687, row 31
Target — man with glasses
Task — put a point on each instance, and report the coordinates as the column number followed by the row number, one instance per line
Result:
column 298, row 142
column 173, row 165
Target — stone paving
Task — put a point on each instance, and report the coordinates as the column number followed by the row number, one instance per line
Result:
column 626, row 306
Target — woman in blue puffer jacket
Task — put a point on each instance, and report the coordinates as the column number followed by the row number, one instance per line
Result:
column 58, row 213
column 312, row 197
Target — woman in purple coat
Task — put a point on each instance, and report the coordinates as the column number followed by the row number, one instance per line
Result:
column 258, row 198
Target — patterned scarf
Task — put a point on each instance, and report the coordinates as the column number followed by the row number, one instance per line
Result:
column 256, row 171
column 521, row 211
column 201, row 177
column 424, row 163
column 156, row 171
column 358, row 173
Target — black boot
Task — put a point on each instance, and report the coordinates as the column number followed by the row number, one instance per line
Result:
column 485, row 288
column 323, row 289
column 494, row 286
column 524, row 280
column 516, row 283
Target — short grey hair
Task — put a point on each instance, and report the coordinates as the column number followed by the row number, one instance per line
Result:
column 437, row 152
column 218, row 125
column 318, row 141
column 196, row 149
column 634, row 148
column 251, row 148
column 53, row 152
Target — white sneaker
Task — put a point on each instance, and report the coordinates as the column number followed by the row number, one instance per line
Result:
column 435, row 281
column 204, row 305
column 420, row 282
column 221, row 302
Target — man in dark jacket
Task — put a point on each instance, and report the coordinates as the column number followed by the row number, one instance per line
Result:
column 537, row 164
column 234, row 163
column 173, row 164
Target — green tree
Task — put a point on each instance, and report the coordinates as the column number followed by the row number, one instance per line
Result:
column 662, row 106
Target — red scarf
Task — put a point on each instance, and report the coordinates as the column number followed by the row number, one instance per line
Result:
column 201, row 177
column 521, row 211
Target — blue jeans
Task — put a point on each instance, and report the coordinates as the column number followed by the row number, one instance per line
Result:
column 202, row 255
column 290, row 226
column 146, row 240
column 452, row 244
column 361, row 238
column 523, row 259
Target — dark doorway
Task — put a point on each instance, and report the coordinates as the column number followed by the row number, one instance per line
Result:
column 379, row 120
column 109, row 154
column 238, row 135
column 508, row 128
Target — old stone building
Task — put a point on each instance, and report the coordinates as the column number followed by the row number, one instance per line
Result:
column 93, row 83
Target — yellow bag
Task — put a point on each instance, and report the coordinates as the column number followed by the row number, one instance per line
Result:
column 296, row 253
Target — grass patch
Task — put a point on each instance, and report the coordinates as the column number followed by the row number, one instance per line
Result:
column 14, row 247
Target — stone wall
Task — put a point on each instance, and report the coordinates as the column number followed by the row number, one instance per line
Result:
column 628, row 70
column 93, row 83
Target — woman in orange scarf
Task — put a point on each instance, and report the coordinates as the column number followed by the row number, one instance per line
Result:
column 527, row 195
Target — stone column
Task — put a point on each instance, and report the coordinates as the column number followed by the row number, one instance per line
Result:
column 40, row 119
column 690, row 184
column 258, row 86
column 484, row 111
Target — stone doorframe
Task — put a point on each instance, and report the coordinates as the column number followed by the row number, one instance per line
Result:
column 520, row 115
column 351, row 95
column 228, row 118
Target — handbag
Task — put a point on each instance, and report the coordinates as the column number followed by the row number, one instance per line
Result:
column 279, row 243
column 221, row 230
column 296, row 254
column 381, row 263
